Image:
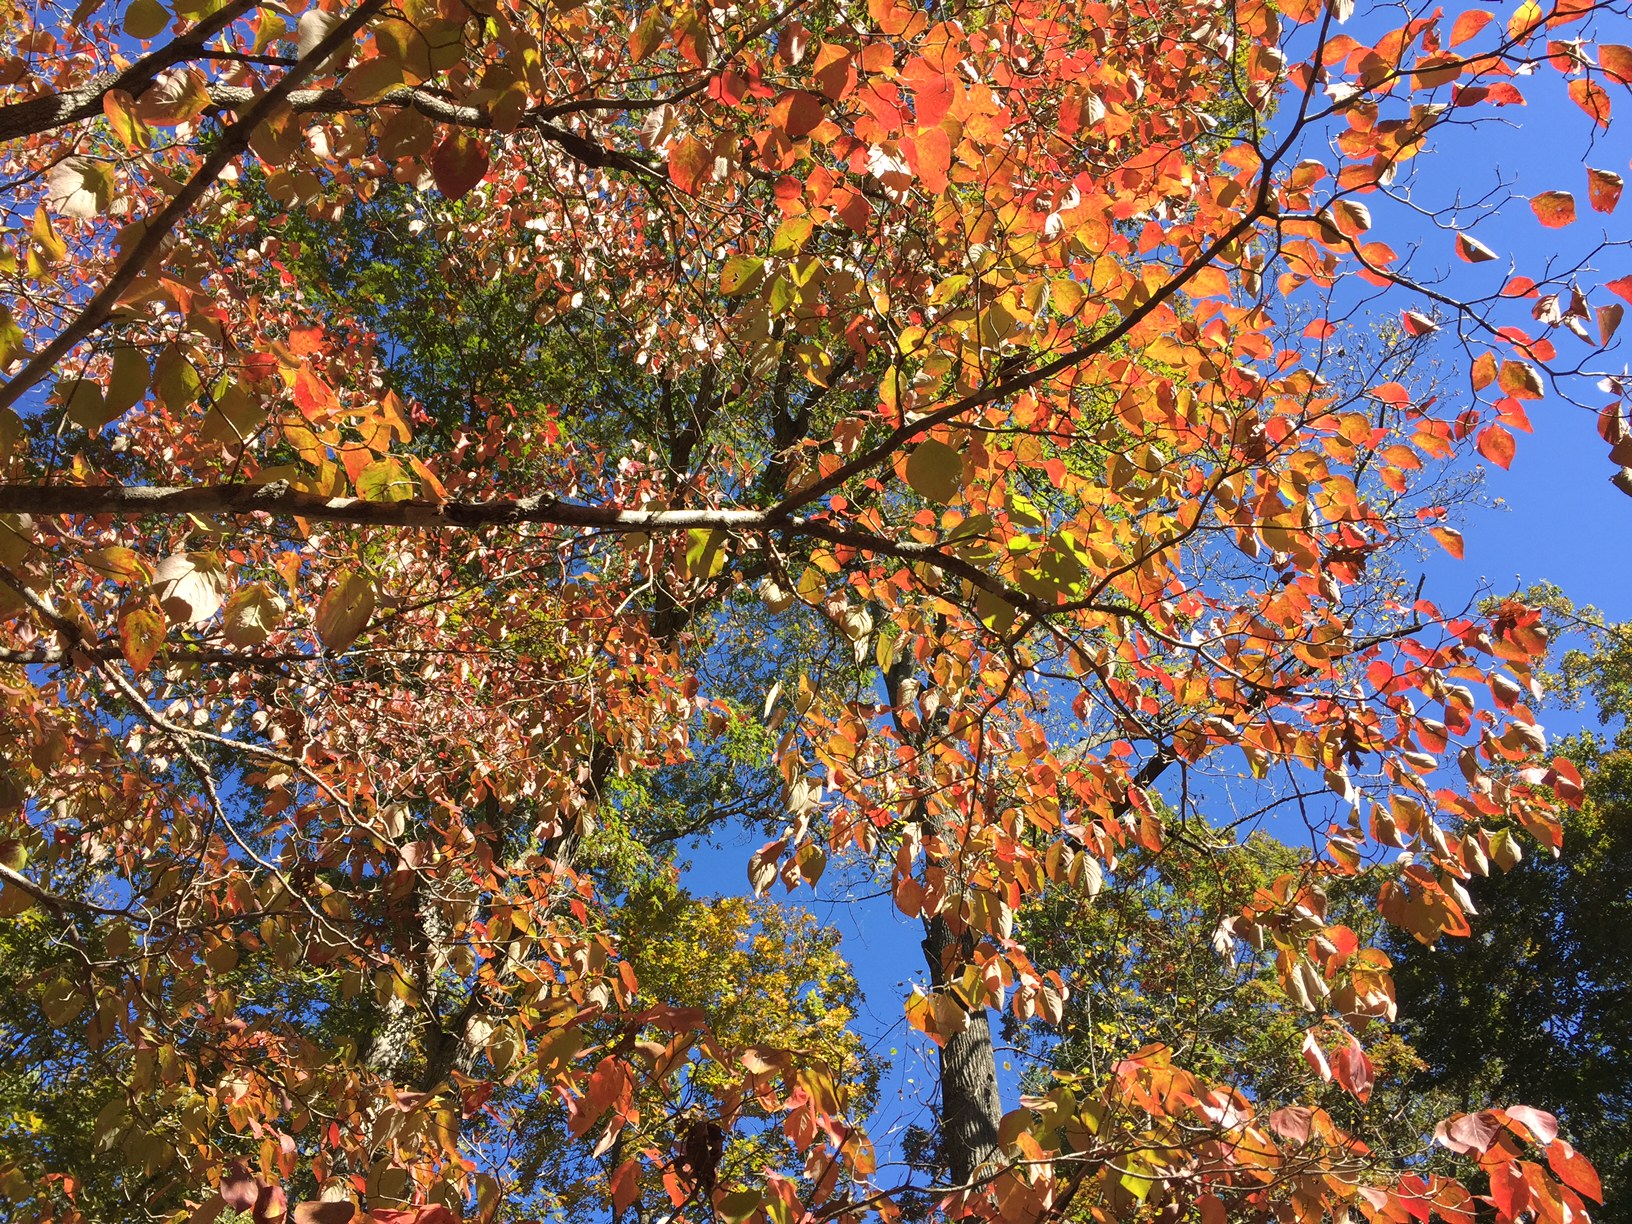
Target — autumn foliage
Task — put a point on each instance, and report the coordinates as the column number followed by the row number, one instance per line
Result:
column 986, row 454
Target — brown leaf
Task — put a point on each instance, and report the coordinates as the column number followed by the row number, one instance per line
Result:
column 1470, row 250
column 320, row 1212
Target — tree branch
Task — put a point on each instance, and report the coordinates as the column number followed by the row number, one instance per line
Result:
column 43, row 114
column 233, row 142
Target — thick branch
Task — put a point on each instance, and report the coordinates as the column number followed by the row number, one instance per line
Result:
column 442, row 110
column 51, row 111
column 281, row 499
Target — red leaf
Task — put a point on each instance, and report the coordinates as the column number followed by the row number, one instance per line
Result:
column 1590, row 97
column 239, row 1189
column 1352, row 1070
column 271, row 1206
column 1496, row 444
column 1553, row 208
column 1621, row 288
column 1574, row 1170
column 1292, row 1122
column 1467, row 25
column 625, row 1186
column 1604, row 189
column 1466, row 1133
column 458, row 163
column 1616, row 60
column 1316, row 1057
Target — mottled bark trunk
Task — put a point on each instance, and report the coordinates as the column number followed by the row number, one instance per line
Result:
column 970, row 1105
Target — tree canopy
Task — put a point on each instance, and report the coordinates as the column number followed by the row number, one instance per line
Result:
column 453, row 453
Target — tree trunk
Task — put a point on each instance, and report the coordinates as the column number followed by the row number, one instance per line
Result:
column 970, row 1106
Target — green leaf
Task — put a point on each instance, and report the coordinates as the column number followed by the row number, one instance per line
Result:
column 935, row 471
column 234, row 416
column 791, row 235
column 177, row 383
column 386, row 480
column 740, row 274
column 61, row 1001
column 995, row 612
column 127, row 382
column 11, row 337
column 740, row 1204
column 83, row 399
column 1023, row 511
column 705, row 552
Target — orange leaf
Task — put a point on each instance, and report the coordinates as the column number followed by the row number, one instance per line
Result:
column 625, row 1186
column 797, row 113
column 1574, row 1170
column 932, row 151
column 1616, row 60
column 1590, row 97
column 1604, row 189
column 1469, row 24
column 1496, row 444
column 141, row 633
column 1450, row 539
column 1553, row 209
column 691, row 164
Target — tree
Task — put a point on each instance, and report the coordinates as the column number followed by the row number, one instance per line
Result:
column 1534, row 1006
column 962, row 344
